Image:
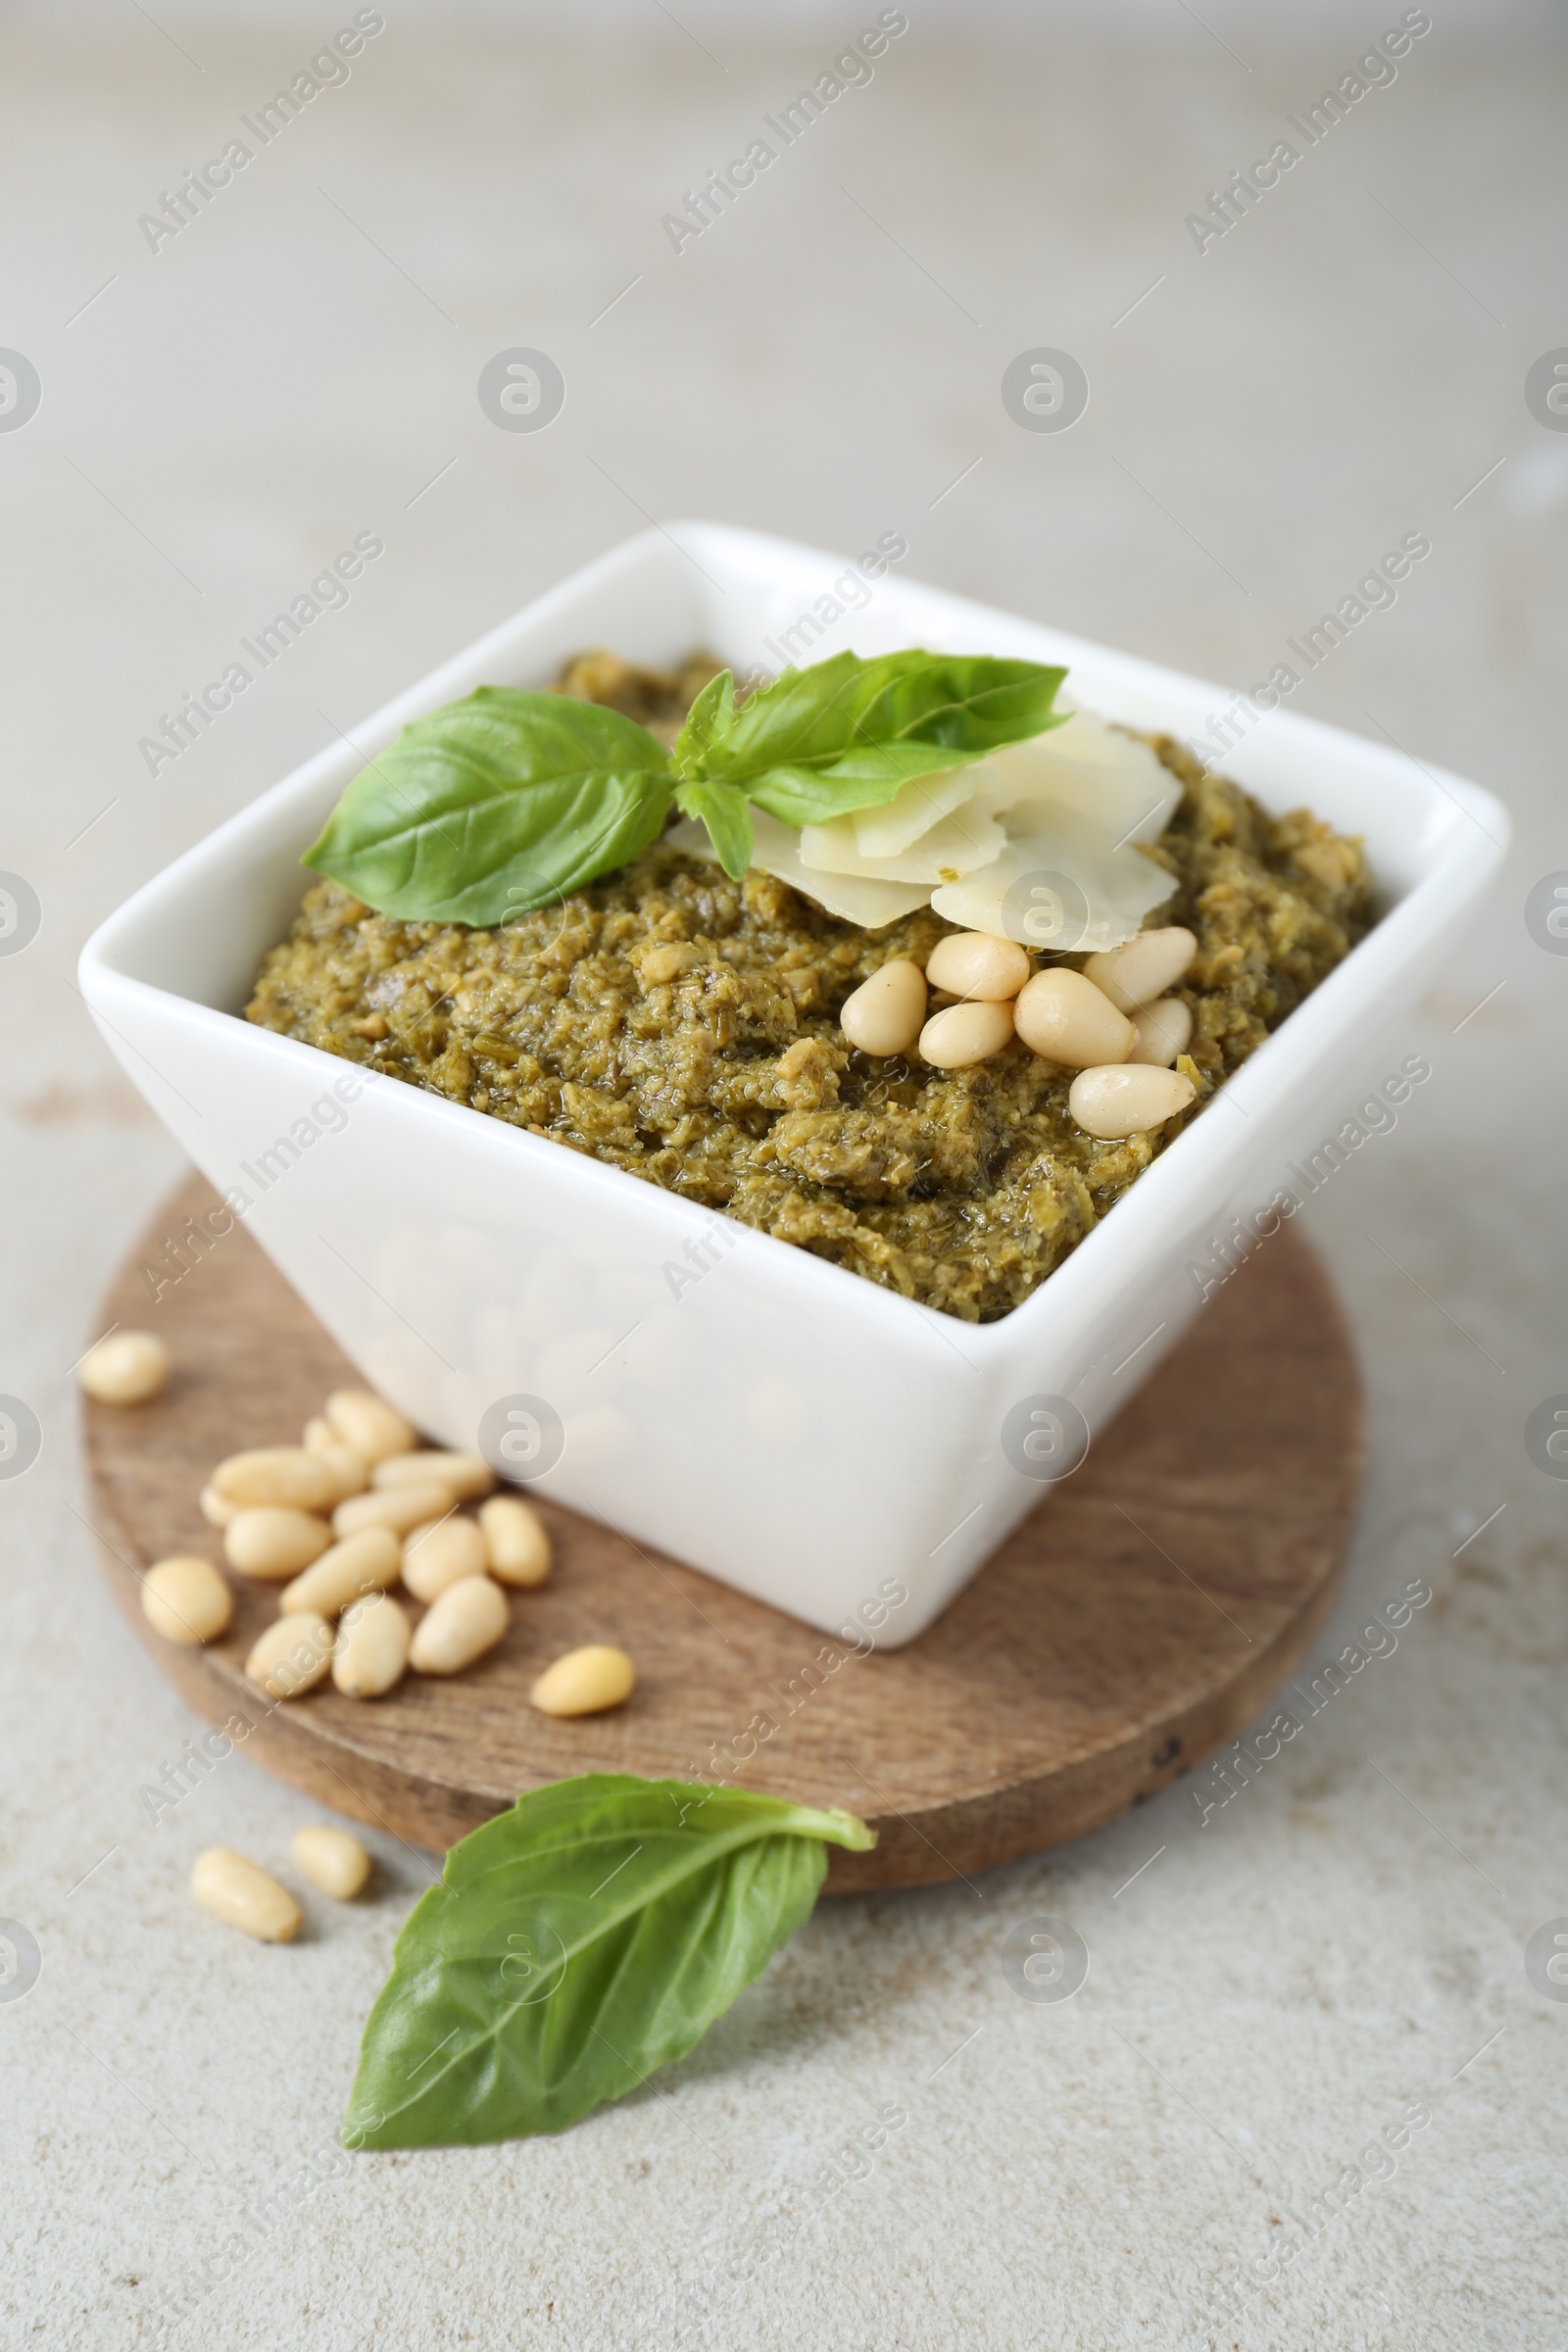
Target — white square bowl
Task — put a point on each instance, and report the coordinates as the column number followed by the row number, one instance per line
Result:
column 818, row 1442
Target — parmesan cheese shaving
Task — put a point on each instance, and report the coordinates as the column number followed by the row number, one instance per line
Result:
column 1111, row 778
column 1064, row 885
column 955, row 845
column 873, row 905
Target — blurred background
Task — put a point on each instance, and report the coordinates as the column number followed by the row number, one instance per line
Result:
column 206, row 412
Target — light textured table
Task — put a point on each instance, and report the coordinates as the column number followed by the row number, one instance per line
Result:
column 1269, row 1984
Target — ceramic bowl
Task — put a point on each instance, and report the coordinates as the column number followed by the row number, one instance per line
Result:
column 718, row 1396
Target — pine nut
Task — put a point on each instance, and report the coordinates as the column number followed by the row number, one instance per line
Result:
column 277, row 1474
column 352, row 1469
column 348, row 1468
column 517, row 1548
column 964, row 1034
column 290, row 1657
column 441, row 1554
column 396, row 1507
column 186, row 1600
column 241, row 1895
column 974, row 966
column 466, row 1474
column 125, row 1367
column 215, row 1510
column 883, row 1015
column 1065, row 1018
column 585, row 1682
column 1164, row 1030
column 1143, row 968
column 1127, row 1099
column 364, row 1563
column 272, row 1542
column 460, row 1625
column 371, row 1650
column 331, row 1860
column 368, row 1424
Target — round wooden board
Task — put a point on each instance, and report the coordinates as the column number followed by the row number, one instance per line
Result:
column 1136, row 1621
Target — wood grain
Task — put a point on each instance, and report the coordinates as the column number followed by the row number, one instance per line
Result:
column 1138, row 1619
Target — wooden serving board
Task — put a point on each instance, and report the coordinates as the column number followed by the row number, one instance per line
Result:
column 1138, row 1619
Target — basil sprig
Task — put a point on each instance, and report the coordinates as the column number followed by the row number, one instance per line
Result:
column 845, row 734
column 502, row 803
column 573, row 1945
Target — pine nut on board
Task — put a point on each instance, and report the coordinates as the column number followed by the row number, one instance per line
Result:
column 289, row 1475
column 215, row 1510
column 364, row 1563
column 243, row 1896
column 466, row 1474
column 467, row 1620
column 585, row 1682
column 516, row 1543
column 271, row 1541
column 370, row 1654
column 439, row 1555
column 368, row 1424
column 125, row 1367
column 290, row 1657
column 185, row 1599
column 396, row 1507
column 352, row 1469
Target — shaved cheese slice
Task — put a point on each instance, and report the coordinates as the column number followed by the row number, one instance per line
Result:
column 919, row 806
column 943, row 853
column 1115, row 781
column 1063, row 884
column 871, row 903
column 1034, row 843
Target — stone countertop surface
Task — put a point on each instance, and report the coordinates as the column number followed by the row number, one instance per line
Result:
column 1180, row 2154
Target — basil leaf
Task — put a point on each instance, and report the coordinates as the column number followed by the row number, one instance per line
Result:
column 864, row 779
column 707, row 722
column 723, row 810
column 848, row 733
column 721, row 807
column 494, row 805
column 575, row 1943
